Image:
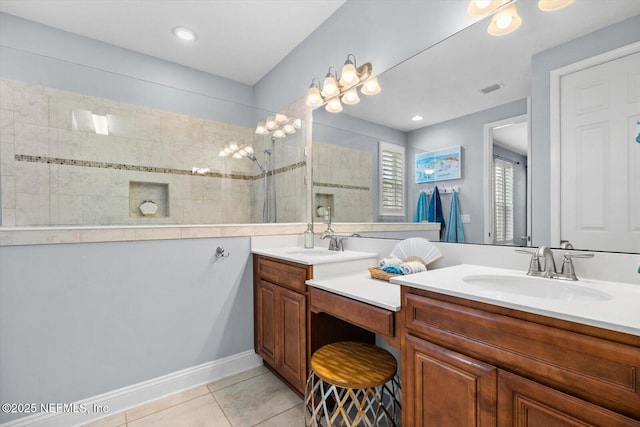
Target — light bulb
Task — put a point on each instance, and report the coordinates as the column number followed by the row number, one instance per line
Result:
column 233, row 146
column 297, row 123
column 350, row 97
column 482, row 7
column 371, row 87
column 222, row 154
column 242, row 152
column 289, row 129
column 261, row 129
column 330, row 87
column 349, row 75
column 279, row 134
column 271, row 123
column 236, row 156
column 314, row 99
column 184, row 33
column 249, row 149
column 281, row 118
column 228, row 150
column 505, row 21
column 334, row 105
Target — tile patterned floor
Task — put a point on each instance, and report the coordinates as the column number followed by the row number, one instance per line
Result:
column 251, row 398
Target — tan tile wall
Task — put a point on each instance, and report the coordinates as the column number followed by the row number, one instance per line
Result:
column 346, row 174
column 37, row 121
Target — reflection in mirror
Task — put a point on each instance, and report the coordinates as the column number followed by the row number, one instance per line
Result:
column 444, row 86
column 151, row 158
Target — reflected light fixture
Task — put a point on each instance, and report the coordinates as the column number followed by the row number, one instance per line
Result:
column 184, row 33
column 100, row 124
column 236, row 151
column 336, row 91
column 505, row 21
column 483, row 7
column 417, row 118
column 552, row 5
column 279, row 126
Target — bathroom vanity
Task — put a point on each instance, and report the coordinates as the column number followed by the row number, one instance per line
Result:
column 472, row 363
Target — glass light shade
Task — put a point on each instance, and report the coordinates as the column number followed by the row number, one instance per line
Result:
column 330, row 87
column 371, row 87
column 297, row 123
column 505, row 21
column 249, row 149
column 334, row 105
column 350, row 97
column 349, row 76
column 483, row 7
column 233, row 146
column 223, row 153
column 551, row 5
column 281, row 118
column 228, row 150
column 314, row 99
column 242, row 152
column 236, row 156
column 271, row 123
column 279, row 134
column 289, row 129
column 261, row 129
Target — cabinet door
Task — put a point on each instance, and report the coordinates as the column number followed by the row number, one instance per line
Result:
column 524, row 403
column 266, row 321
column 293, row 327
column 446, row 389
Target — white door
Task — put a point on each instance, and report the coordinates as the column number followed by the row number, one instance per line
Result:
column 599, row 156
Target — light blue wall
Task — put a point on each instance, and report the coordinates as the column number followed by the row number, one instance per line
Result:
column 468, row 132
column 78, row 320
column 542, row 64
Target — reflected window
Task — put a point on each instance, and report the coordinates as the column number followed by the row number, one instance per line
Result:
column 391, row 179
column 503, row 206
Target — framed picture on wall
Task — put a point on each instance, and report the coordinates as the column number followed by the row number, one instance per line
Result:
column 438, row 165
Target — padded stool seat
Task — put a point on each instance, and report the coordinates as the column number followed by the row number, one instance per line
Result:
column 348, row 386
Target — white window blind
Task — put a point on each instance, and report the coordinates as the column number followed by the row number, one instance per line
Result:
column 503, row 214
column 391, row 172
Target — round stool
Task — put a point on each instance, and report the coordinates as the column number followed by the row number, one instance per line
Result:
column 352, row 384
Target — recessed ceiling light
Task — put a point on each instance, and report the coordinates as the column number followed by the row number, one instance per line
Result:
column 417, row 118
column 184, row 33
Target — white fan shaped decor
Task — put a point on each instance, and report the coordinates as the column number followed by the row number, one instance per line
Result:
column 417, row 246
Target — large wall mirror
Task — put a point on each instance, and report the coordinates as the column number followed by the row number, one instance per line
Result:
column 488, row 95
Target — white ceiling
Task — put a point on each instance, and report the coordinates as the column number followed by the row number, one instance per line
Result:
column 241, row 40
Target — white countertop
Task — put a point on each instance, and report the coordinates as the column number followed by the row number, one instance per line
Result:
column 619, row 312
column 313, row 256
column 362, row 287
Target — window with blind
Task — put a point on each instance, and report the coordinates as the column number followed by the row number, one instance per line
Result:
column 391, row 173
column 503, row 202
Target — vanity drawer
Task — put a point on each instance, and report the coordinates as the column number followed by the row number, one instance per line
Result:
column 284, row 274
column 367, row 316
column 604, row 372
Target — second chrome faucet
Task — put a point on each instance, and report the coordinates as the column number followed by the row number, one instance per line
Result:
column 549, row 269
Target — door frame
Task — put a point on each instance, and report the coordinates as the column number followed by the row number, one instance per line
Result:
column 555, row 77
column 488, row 172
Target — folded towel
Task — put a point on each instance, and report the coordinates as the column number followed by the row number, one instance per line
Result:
column 392, row 269
column 455, row 232
column 412, row 267
column 422, row 209
column 389, row 261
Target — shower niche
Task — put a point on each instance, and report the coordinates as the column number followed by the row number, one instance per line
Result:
column 324, row 206
column 142, row 195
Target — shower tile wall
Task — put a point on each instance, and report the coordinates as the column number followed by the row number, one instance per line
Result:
column 346, row 174
column 42, row 135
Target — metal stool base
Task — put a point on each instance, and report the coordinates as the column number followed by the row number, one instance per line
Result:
column 327, row 405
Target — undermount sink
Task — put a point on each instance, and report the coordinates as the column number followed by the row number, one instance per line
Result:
column 313, row 252
column 536, row 287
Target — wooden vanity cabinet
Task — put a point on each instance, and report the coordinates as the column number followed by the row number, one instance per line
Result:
column 466, row 363
column 280, row 318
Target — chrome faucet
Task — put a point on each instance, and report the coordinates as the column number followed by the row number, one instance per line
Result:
column 336, row 243
column 549, row 271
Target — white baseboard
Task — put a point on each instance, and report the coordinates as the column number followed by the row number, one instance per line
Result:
column 144, row 392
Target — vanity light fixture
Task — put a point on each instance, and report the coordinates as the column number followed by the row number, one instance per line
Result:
column 336, row 91
column 552, row 5
column 184, row 33
column 279, row 126
column 236, row 151
column 505, row 21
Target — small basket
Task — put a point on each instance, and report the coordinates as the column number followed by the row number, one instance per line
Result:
column 378, row 273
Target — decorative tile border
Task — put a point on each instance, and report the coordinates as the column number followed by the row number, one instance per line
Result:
column 152, row 169
column 342, row 186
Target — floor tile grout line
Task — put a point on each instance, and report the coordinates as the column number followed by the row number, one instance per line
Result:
column 239, row 382
column 276, row 415
column 126, row 418
column 221, row 408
